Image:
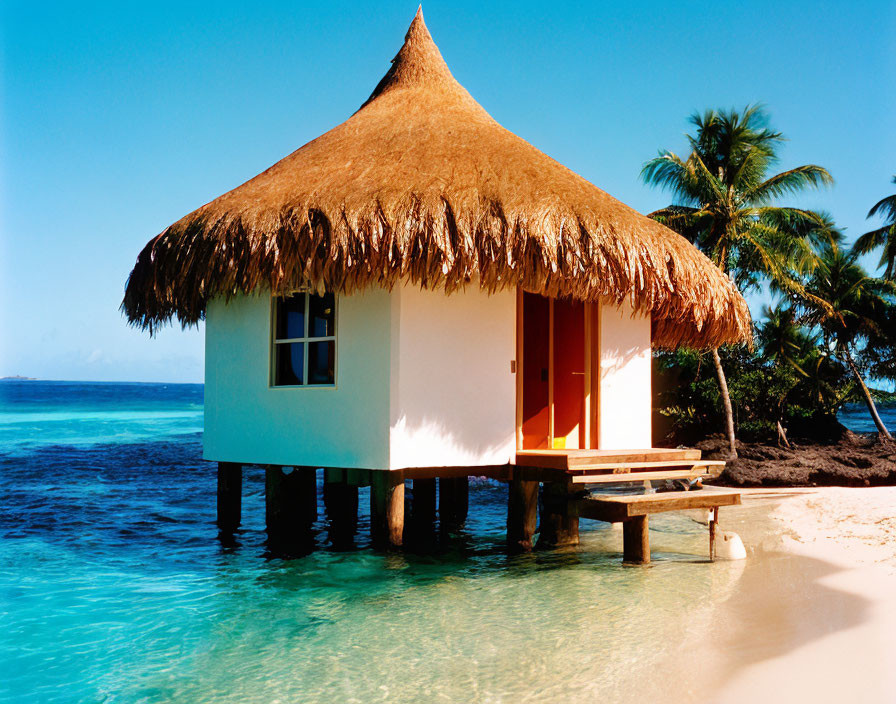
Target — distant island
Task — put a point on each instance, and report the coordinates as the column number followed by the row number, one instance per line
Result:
column 17, row 378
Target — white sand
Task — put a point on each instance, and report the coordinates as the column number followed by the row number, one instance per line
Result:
column 815, row 619
column 856, row 526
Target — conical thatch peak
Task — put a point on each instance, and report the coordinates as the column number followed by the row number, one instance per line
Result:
column 421, row 185
column 418, row 63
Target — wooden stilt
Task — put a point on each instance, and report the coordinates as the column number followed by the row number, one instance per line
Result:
column 341, row 504
column 635, row 541
column 290, row 504
column 559, row 523
column 522, row 513
column 454, row 502
column 230, row 490
column 386, row 508
column 423, row 509
column 713, row 521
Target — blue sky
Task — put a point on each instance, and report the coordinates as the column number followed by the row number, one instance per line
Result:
column 119, row 118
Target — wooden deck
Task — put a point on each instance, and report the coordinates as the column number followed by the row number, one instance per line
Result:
column 565, row 466
column 632, row 512
column 573, row 460
column 612, row 466
column 559, row 477
column 614, row 509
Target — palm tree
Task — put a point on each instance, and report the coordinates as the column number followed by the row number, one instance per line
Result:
column 782, row 340
column 859, row 312
column 725, row 199
column 883, row 237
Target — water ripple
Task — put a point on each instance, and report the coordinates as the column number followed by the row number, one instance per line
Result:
column 114, row 586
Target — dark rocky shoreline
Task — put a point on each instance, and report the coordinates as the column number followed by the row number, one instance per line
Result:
column 850, row 460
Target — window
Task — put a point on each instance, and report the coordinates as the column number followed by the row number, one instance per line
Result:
column 304, row 340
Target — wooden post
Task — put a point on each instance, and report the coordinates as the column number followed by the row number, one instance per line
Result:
column 713, row 520
column 454, row 502
column 423, row 508
column 230, row 490
column 635, row 541
column 290, row 504
column 422, row 533
column 386, row 508
column 559, row 524
column 522, row 513
column 341, row 503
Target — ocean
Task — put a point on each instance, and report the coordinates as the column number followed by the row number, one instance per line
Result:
column 114, row 585
column 855, row 417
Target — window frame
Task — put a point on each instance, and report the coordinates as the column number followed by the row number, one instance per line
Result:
column 306, row 341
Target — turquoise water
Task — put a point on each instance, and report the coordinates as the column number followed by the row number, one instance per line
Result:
column 114, row 586
column 855, row 417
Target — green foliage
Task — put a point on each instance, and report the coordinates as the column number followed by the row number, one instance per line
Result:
column 883, row 238
column 836, row 325
column 857, row 320
column 725, row 197
column 803, row 392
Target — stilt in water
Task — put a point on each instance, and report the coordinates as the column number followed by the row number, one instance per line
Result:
column 386, row 508
column 290, row 508
column 421, row 533
column 522, row 514
column 713, row 523
column 341, row 503
column 635, row 541
column 423, row 508
column 230, row 490
column 454, row 502
column 559, row 524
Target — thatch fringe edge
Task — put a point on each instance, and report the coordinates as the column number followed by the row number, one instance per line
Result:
column 692, row 302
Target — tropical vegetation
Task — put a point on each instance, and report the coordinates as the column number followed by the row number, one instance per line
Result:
column 883, row 238
column 830, row 337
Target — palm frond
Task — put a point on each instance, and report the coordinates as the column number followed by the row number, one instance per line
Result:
column 886, row 208
column 790, row 182
column 776, row 263
column 670, row 172
column 688, row 180
column 872, row 240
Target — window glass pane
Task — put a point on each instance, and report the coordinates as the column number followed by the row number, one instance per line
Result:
column 291, row 317
column 290, row 363
column 322, row 362
column 322, row 311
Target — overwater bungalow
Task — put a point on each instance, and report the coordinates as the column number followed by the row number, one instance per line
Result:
column 419, row 294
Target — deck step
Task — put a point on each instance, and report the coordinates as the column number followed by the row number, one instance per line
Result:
column 681, row 457
column 624, row 467
column 570, row 459
column 621, row 508
column 697, row 472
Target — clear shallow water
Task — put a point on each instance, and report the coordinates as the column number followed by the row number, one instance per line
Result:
column 115, row 588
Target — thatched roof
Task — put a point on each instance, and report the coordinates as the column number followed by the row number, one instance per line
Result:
column 422, row 185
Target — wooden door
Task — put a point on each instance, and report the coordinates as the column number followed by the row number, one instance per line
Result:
column 568, row 370
column 556, row 386
column 535, row 372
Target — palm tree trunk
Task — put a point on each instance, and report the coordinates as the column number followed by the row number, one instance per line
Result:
column 869, row 401
column 726, row 402
column 782, row 436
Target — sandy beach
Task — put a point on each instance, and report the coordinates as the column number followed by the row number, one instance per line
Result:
column 813, row 616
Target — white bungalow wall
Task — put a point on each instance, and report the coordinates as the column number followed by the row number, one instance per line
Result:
column 248, row 421
column 423, row 379
column 625, row 367
column 453, row 392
